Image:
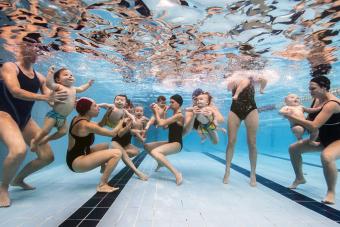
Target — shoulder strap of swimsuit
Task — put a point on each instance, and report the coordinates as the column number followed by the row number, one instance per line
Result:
column 74, row 123
column 312, row 105
column 331, row 101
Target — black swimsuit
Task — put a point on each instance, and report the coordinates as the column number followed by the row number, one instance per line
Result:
column 245, row 102
column 20, row 110
column 81, row 145
column 175, row 133
column 125, row 139
column 330, row 131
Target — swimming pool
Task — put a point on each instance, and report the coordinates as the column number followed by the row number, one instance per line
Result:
column 177, row 49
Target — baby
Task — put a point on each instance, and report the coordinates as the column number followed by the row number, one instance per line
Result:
column 161, row 108
column 62, row 80
column 293, row 105
column 237, row 84
column 206, row 116
column 139, row 128
column 118, row 111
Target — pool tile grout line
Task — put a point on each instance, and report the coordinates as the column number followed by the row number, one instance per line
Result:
column 299, row 198
column 86, row 212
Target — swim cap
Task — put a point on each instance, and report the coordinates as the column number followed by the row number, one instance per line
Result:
column 83, row 105
column 322, row 81
column 178, row 99
column 196, row 92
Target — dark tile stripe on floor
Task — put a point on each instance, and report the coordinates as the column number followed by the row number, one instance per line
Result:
column 299, row 198
column 91, row 212
column 288, row 159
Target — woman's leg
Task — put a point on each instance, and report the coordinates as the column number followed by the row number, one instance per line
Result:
column 161, row 151
column 12, row 138
column 328, row 157
column 295, row 152
column 96, row 158
column 252, row 122
column 131, row 150
column 44, row 156
column 128, row 162
column 233, row 126
column 150, row 146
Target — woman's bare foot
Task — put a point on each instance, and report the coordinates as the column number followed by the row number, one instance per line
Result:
column 33, row 145
column 226, row 177
column 296, row 183
column 4, row 197
column 253, row 180
column 142, row 176
column 106, row 188
column 22, row 184
column 329, row 199
column 179, row 178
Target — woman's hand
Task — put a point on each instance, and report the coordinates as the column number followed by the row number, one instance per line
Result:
column 56, row 97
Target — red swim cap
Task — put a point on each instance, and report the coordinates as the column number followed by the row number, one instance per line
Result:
column 83, row 105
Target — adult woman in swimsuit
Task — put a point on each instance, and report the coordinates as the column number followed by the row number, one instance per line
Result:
column 328, row 123
column 19, row 85
column 81, row 155
column 158, row 150
column 122, row 141
column 243, row 108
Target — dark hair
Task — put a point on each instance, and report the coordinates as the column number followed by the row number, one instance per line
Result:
column 322, row 81
column 196, row 92
column 320, row 70
column 57, row 74
column 121, row 95
column 161, row 98
column 177, row 98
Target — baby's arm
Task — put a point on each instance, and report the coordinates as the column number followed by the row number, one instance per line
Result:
column 50, row 83
column 130, row 116
column 84, row 87
column 284, row 109
column 106, row 105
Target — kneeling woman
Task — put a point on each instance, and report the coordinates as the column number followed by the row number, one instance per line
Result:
column 158, row 150
column 81, row 156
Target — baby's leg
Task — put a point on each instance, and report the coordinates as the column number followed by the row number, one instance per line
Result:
column 313, row 137
column 213, row 136
column 240, row 87
column 58, row 134
column 48, row 125
column 201, row 134
column 298, row 131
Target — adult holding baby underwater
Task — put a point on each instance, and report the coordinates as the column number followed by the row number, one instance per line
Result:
column 327, row 120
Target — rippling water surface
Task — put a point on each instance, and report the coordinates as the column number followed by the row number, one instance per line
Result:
column 151, row 47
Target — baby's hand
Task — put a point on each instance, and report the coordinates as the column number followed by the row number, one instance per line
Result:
column 90, row 82
column 51, row 69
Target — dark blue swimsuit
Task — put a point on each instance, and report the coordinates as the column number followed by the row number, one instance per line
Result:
column 20, row 110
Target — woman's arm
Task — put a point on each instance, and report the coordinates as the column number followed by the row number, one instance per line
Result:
column 168, row 121
column 326, row 112
column 95, row 128
column 189, row 122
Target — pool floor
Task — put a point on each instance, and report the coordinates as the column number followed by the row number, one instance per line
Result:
column 69, row 199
